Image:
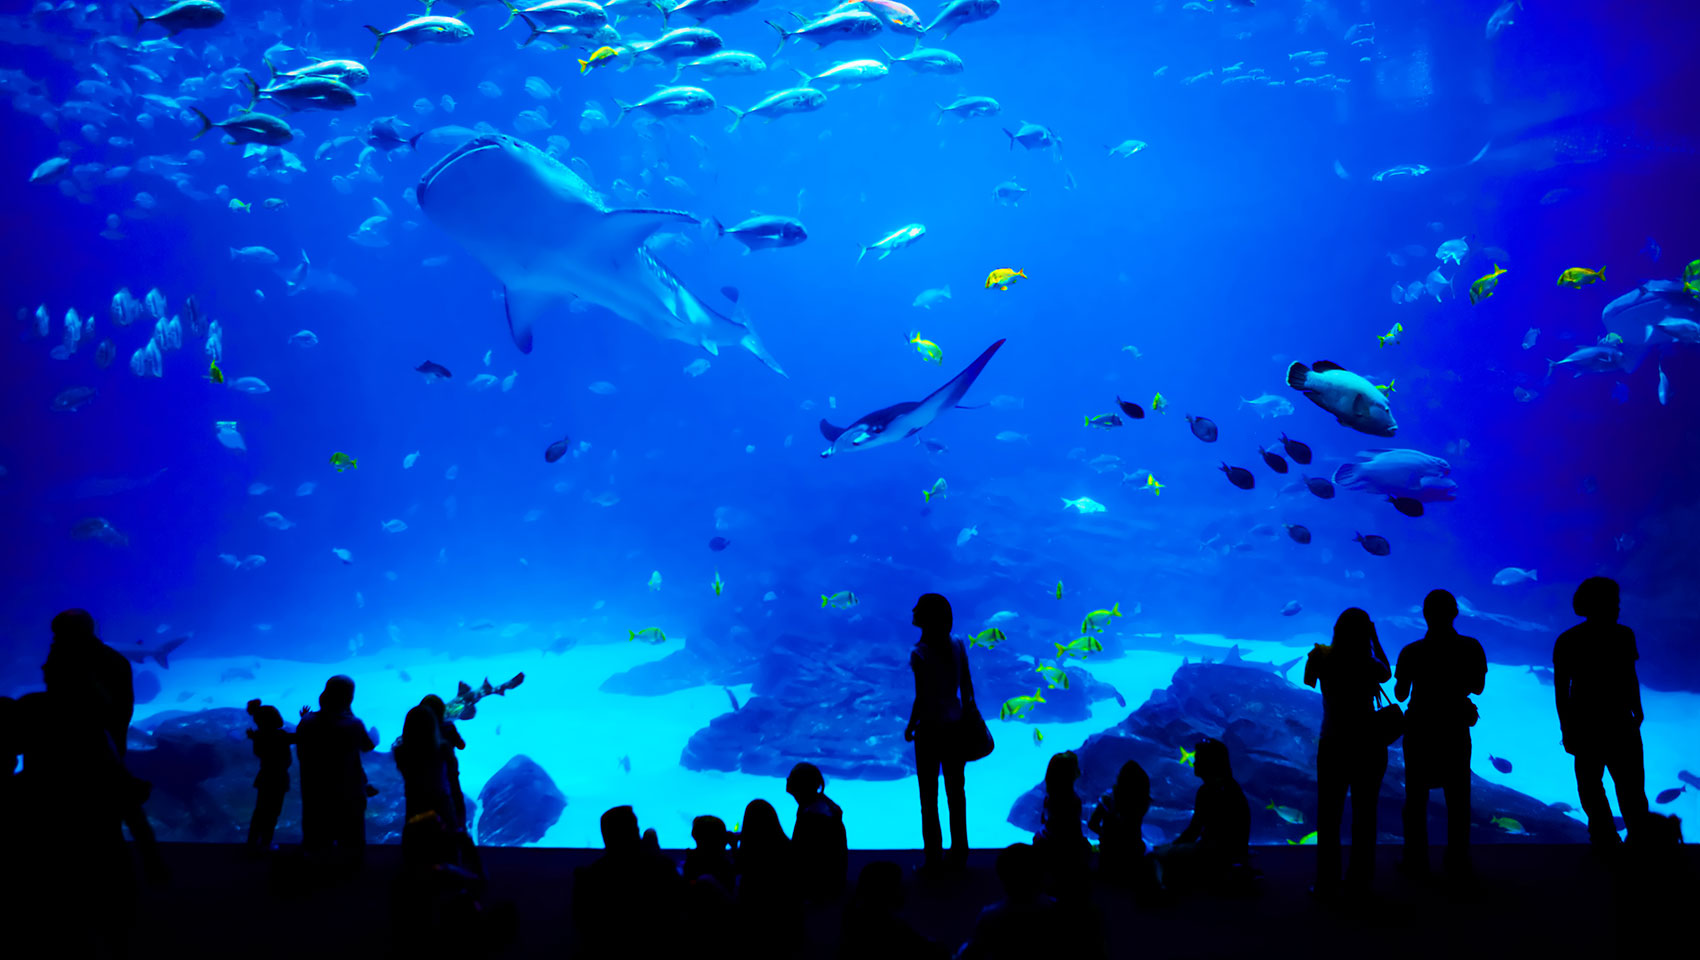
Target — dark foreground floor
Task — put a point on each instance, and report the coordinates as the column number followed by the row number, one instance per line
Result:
column 1533, row 902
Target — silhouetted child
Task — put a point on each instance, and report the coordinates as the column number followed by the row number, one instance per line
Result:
column 437, row 905
column 626, row 903
column 873, row 925
column 334, row 788
column 818, row 842
column 1599, row 708
column 1118, row 820
column 1060, row 841
column 712, row 857
column 1214, row 846
column 271, row 746
column 1022, row 924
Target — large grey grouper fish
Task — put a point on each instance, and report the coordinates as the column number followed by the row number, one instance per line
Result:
column 549, row 237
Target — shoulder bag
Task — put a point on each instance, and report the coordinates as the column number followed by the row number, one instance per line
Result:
column 1388, row 723
column 974, row 738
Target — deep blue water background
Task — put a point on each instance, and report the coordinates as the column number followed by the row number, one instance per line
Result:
column 1225, row 250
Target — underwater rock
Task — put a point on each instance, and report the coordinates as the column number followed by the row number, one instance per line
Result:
column 842, row 704
column 146, row 686
column 520, row 804
column 1270, row 726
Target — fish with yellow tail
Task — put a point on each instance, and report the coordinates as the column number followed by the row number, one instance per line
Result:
column 1152, row 485
column 651, row 635
column 343, row 462
column 1485, row 286
column 1079, row 648
column 600, row 57
column 929, row 351
column 718, row 584
column 1187, row 757
column 1054, row 676
column 1003, row 278
column 1581, row 277
column 214, row 374
column 839, row 600
column 1158, row 404
column 939, row 489
column 1391, row 336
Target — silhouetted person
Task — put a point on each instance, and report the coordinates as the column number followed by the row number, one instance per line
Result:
column 1439, row 673
column 818, row 841
column 452, row 742
column 1060, row 841
column 1118, row 820
column 437, row 905
column 271, row 747
column 626, row 903
column 421, row 757
column 712, row 856
column 96, row 677
column 1024, row 923
column 74, row 881
column 1348, row 755
column 942, row 687
column 1216, row 842
column 328, row 745
column 874, row 927
column 768, row 894
column 1599, row 708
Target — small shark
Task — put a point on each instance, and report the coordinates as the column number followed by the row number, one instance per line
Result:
column 549, row 237
column 1629, row 315
column 903, row 420
column 159, row 654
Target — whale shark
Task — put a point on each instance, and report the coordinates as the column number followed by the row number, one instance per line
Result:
column 550, row 238
column 903, row 420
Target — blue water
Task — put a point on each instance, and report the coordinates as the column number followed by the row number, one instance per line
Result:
column 1223, row 251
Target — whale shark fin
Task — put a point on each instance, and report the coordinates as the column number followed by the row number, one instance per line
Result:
column 632, row 226
column 524, row 307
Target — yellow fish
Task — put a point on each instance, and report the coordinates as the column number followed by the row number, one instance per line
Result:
column 1003, row 278
column 1581, row 277
column 1059, row 589
column 938, row 489
column 1387, row 388
column 1187, row 757
column 214, row 373
column 719, row 584
column 1018, row 706
column 1158, row 404
column 599, row 58
column 988, row 638
column 1152, row 485
column 1391, row 336
column 929, row 351
column 1038, row 736
column 1484, row 288
column 1054, row 676
column 342, row 461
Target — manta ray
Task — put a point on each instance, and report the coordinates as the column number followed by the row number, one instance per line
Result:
column 903, row 420
column 549, row 237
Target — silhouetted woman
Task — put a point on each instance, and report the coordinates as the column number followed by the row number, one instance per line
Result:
column 1118, row 821
column 1348, row 754
column 768, row 895
column 942, row 687
column 419, row 755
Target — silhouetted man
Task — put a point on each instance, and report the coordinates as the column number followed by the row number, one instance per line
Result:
column 626, row 903
column 1439, row 673
column 91, row 675
column 328, row 745
column 1599, row 708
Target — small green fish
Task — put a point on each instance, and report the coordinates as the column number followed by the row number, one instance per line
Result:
column 647, row 635
column 1308, row 840
column 1054, row 676
column 718, row 584
column 1187, row 757
column 839, row 600
column 1292, row 815
column 342, row 461
column 1098, row 619
column 1038, row 736
column 1079, row 648
column 1691, row 277
column 938, row 489
column 1018, row 706
column 988, row 638
column 1510, row 826
column 1059, row 589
